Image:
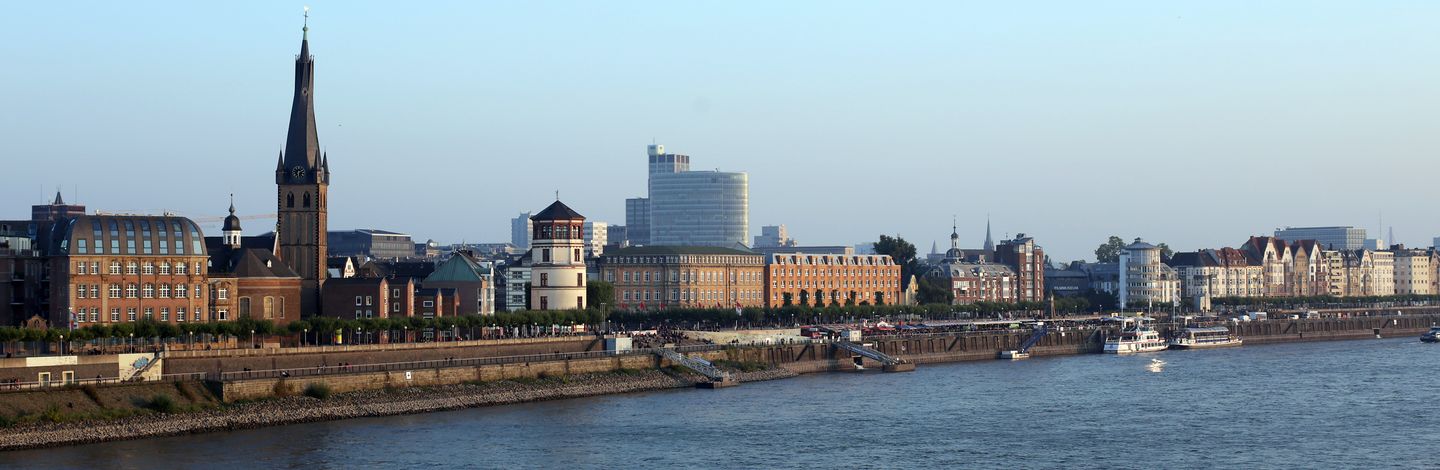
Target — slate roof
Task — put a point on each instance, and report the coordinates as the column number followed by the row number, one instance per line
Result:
column 558, row 211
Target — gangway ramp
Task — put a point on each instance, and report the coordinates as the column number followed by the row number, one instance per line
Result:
column 718, row 378
column 890, row 363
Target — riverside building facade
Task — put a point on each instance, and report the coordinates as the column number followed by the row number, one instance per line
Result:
column 557, row 246
column 804, row 278
column 655, row 277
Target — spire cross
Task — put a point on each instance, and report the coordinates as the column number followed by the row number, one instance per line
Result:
column 557, row 195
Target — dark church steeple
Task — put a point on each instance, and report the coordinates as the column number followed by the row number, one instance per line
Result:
column 301, row 161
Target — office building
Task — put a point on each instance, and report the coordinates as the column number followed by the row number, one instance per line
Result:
column 637, row 221
column 520, row 227
column 597, row 235
column 699, row 208
column 372, row 243
column 1329, row 238
column 773, row 236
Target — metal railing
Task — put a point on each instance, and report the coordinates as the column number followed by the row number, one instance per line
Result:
column 8, row 386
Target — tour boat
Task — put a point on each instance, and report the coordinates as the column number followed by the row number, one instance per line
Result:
column 1205, row 337
column 1136, row 339
column 1431, row 336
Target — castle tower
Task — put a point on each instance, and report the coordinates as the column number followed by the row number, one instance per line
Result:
column 302, row 179
column 557, row 255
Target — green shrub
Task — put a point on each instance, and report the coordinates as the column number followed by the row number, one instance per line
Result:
column 318, row 390
column 163, row 404
column 282, row 389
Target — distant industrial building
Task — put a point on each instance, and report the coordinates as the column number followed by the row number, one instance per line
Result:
column 1330, row 238
column 376, row 244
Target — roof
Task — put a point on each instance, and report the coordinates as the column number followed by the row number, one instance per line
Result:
column 415, row 269
column 144, row 235
column 248, row 262
column 459, row 268
column 557, row 211
column 676, row 250
column 1140, row 245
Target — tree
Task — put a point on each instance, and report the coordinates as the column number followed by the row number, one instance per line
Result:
column 1165, row 251
column 932, row 292
column 901, row 251
column 599, row 293
column 1109, row 252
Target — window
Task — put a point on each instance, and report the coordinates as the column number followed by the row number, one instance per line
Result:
column 544, row 303
column 395, row 292
column 94, row 267
column 544, row 279
column 132, row 268
column 179, row 313
column 130, row 314
column 369, row 300
column 79, row 291
column 579, row 279
column 149, row 313
column 220, row 314
column 577, row 256
column 196, row 315
column 222, row 294
column 358, row 301
column 290, row 202
column 80, row 268
column 244, row 306
column 180, row 268
column 395, row 307
column 545, row 255
column 148, row 269
column 180, row 291
column 267, row 307
column 280, row 306
column 114, row 315
column 307, row 200
column 428, row 303
column 579, row 301
column 94, row 291
column 165, row 268
column 164, row 291
column 131, row 291
column 148, row 291
column 165, row 314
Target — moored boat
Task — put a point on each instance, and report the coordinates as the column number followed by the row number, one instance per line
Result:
column 1432, row 336
column 1205, row 337
column 1135, row 339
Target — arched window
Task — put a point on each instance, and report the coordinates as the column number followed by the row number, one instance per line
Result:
column 148, row 291
column 268, row 307
column 244, row 306
column 290, row 200
column 307, row 199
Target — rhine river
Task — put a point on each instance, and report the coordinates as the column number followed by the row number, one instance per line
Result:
column 1345, row 404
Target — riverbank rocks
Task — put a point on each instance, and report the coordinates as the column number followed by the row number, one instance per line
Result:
column 368, row 403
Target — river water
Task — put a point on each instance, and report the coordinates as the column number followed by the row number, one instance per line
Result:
column 1346, row 404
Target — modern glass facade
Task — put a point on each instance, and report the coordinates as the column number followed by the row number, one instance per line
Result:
column 1330, row 238
column 637, row 220
column 699, row 208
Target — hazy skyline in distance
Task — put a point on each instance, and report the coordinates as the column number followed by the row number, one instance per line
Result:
column 1195, row 124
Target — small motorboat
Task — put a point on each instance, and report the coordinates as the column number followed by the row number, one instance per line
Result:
column 1432, row 336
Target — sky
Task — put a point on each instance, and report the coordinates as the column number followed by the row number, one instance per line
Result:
column 1197, row 124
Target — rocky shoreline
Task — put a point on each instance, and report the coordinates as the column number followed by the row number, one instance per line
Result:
column 370, row 403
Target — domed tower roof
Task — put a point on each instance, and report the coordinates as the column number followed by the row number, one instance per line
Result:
column 232, row 223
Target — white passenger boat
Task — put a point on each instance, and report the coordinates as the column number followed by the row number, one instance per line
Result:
column 1205, row 337
column 1135, row 339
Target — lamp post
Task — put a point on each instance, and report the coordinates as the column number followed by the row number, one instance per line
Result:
column 252, row 339
column 303, row 333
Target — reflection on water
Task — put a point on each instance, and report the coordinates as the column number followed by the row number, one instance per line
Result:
column 1336, row 404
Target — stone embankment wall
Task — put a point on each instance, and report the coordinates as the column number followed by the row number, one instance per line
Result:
column 214, row 362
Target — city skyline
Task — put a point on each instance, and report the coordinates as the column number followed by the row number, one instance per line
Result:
column 409, row 96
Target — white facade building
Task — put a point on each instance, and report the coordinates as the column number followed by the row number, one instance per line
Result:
column 557, row 259
column 597, row 234
column 1144, row 280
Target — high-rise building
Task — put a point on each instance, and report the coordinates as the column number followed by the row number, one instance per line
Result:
column 1330, row 238
column 557, row 263
column 520, row 231
column 661, row 162
column 302, row 180
column 1144, row 280
column 637, row 220
column 699, row 208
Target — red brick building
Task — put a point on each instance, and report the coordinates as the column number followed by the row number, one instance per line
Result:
column 800, row 279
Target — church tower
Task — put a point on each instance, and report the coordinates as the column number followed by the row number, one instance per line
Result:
column 302, row 179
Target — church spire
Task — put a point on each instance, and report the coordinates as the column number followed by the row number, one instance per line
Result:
column 301, row 158
column 989, row 243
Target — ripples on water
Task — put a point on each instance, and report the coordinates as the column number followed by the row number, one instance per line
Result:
column 1339, row 404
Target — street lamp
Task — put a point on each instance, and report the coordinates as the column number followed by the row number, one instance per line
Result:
column 303, row 333
column 252, row 339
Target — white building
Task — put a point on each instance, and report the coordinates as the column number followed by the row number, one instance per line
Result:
column 1144, row 280
column 557, row 259
column 1415, row 272
column 597, row 234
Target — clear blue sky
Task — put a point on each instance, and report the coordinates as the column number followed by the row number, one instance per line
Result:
column 1192, row 123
